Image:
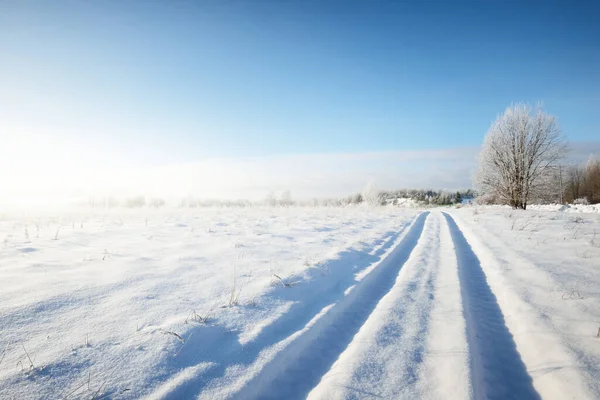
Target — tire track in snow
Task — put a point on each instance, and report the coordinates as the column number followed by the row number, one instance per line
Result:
column 497, row 371
column 445, row 371
column 385, row 358
column 559, row 368
column 297, row 369
column 229, row 364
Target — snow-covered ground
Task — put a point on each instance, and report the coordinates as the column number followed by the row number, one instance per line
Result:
column 569, row 208
column 576, row 208
column 256, row 303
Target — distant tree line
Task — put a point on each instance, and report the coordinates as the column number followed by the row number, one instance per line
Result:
column 129, row 202
column 428, row 196
column 371, row 195
column 582, row 183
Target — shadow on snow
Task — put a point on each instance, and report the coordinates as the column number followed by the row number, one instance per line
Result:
column 497, row 371
column 296, row 369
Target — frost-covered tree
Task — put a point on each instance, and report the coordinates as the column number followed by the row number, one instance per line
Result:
column 520, row 149
column 371, row 194
column 286, row 198
column 270, row 199
column 356, row 198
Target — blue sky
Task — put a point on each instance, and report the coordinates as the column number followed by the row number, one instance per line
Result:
column 160, row 83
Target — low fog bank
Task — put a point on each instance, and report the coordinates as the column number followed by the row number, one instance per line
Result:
column 301, row 179
column 244, row 180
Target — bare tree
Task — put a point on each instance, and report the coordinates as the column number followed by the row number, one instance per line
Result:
column 521, row 149
column 575, row 183
column 591, row 181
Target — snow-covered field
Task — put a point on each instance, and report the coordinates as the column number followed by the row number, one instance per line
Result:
column 325, row 303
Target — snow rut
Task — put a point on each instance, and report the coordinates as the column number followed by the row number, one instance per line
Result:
column 559, row 367
column 299, row 367
column 386, row 356
column 497, row 371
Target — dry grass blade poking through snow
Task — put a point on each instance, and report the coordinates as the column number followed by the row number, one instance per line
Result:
column 31, row 366
column 283, row 282
column 201, row 318
column 178, row 336
column 234, row 297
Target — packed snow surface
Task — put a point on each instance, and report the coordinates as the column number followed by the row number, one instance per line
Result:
column 324, row 303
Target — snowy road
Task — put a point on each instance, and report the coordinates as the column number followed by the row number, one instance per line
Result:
column 425, row 323
column 394, row 304
column 402, row 350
